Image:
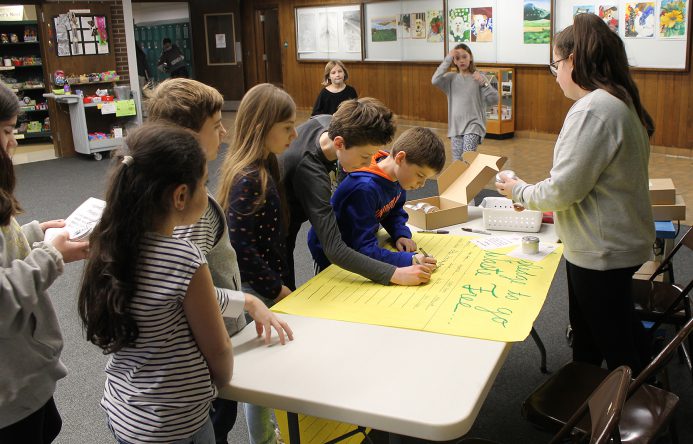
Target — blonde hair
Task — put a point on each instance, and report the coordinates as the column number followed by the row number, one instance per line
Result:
column 262, row 107
column 330, row 65
column 184, row 102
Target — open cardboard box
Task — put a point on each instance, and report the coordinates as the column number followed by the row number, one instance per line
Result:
column 458, row 184
column 662, row 192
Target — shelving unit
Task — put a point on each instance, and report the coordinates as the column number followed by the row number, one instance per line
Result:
column 18, row 75
column 83, row 123
column 500, row 117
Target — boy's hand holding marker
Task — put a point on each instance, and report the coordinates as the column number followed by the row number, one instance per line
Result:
column 425, row 259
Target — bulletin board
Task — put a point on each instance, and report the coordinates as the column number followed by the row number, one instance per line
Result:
column 412, row 30
column 80, row 34
column 655, row 33
column 328, row 32
column 220, row 39
column 516, row 32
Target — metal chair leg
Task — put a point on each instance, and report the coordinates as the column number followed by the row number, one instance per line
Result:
column 542, row 349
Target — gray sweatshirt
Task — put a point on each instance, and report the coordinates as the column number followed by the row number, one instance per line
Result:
column 30, row 338
column 306, row 177
column 467, row 100
column 211, row 235
column 598, row 185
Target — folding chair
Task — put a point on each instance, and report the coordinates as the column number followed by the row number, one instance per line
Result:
column 666, row 302
column 604, row 406
column 647, row 412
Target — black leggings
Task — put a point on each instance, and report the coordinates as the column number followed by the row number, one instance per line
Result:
column 602, row 315
column 41, row 427
column 223, row 414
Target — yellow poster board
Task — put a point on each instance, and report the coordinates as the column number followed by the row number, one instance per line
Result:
column 318, row 431
column 474, row 293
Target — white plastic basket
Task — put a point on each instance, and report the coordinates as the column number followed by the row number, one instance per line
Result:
column 499, row 214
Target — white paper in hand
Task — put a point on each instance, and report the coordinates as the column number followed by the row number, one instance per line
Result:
column 81, row 222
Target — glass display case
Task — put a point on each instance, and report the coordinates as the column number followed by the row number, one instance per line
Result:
column 500, row 117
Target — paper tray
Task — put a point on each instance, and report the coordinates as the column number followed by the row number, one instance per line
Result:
column 499, row 214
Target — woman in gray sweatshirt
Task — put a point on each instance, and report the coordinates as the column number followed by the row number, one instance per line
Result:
column 30, row 339
column 598, row 187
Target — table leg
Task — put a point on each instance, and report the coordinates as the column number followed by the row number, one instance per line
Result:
column 294, row 431
column 394, row 438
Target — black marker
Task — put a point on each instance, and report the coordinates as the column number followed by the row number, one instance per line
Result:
column 434, row 231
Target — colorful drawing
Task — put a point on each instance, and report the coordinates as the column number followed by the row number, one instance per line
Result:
column 459, row 25
column 640, row 20
column 537, row 21
column 405, row 25
column 583, row 9
column 482, row 24
column 609, row 13
column 435, row 26
column 384, row 29
column 419, row 28
column 672, row 18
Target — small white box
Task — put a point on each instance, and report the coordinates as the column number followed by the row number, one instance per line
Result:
column 499, row 214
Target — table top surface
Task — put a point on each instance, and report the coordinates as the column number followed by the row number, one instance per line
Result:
column 414, row 383
column 409, row 382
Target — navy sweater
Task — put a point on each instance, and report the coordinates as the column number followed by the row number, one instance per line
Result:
column 364, row 200
column 257, row 235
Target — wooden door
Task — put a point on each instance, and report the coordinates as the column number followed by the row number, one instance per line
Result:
column 228, row 78
column 268, row 60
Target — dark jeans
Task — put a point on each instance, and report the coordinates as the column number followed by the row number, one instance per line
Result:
column 41, row 427
column 223, row 414
column 602, row 315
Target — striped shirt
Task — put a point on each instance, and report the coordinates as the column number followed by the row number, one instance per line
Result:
column 205, row 233
column 159, row 389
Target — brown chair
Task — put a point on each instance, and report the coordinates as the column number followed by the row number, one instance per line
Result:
column 604, row 406
column 665, row 302
column 647, row 412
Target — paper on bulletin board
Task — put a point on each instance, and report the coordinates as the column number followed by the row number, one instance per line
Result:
column 125, row 108
column 220, row 40
column 108, row 107
column 475, row 293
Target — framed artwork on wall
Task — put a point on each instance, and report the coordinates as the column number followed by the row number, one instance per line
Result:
column 328, row 32
column 654, row 32
column 412, row 30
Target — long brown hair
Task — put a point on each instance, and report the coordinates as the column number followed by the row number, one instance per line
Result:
column 163, row 157
column 600, row 62
column 472, row 66
column 262, row 106
column 9, row 206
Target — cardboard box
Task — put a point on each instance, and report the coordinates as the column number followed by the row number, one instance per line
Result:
column 457, row 185
column 676, row 211
column 662, row 192
column 646, row 271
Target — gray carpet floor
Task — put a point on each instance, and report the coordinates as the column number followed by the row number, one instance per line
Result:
column 52, row 189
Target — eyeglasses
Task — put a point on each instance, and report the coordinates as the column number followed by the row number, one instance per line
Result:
column 553, row 66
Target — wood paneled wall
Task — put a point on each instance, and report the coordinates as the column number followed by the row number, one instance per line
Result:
column 406, row 87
